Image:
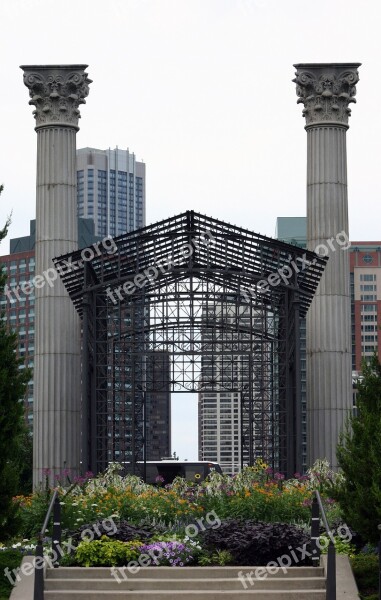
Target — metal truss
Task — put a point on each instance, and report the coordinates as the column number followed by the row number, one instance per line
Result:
column 191, row 304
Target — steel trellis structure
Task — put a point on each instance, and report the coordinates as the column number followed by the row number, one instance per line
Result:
column 191, row 304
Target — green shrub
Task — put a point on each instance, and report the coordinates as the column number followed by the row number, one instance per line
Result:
column 359, row 456
column 10, row 559
column 107, row 553
column 365, row 569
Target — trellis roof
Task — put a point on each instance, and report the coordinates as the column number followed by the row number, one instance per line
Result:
column 230, row 255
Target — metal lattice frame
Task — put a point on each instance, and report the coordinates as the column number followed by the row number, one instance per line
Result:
column 190, row 288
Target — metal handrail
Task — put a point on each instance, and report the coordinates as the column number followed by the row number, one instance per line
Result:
column 379, row 563
column 54, row 506
column 318, row 513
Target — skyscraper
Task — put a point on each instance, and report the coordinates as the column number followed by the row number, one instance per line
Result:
column 224, row 381
column 111, row 189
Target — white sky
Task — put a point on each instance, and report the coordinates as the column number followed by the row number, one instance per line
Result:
column 200, row 90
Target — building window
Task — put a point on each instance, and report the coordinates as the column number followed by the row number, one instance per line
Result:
column 369, row 308
column 367, row 258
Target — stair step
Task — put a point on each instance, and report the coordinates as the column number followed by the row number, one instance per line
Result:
column 302, row 594
column 179, row 572
column 189, row 584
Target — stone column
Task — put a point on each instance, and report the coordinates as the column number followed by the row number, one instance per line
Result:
column 56, row 92
column 326, row 90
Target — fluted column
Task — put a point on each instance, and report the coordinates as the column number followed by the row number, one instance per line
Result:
column 56, row 92
column 326, row 90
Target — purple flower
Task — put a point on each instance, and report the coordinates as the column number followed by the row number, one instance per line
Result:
column 159, row 479
column 79, row 479
column 278, row 476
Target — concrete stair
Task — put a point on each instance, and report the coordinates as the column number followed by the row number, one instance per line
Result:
column 184, row 583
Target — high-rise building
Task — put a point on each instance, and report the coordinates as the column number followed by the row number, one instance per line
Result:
column 224, row 381
column 365, row 277
column 111, row 189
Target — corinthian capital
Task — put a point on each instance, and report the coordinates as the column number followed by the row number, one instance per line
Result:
column 326, row 90
column 56, row 91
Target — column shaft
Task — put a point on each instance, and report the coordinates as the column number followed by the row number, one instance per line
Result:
column 329, row 353
column 57, row 335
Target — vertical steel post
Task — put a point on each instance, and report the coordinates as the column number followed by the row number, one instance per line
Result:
column 315, row 526
column 38, row 593
column 331, row 572
column 56, row 535
column 379, row 564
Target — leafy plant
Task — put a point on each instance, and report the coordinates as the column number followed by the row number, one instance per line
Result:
column 123, row 531
column 359, row 456
column 13, row 384
column 106, row 552
column 341, row 546
column 365, row 570
column 10, row 559
column 255, row 543
column 219, row 558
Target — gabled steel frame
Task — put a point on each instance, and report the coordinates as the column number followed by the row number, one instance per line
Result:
column 201, row 299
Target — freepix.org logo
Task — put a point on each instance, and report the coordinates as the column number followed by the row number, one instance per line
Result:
column 161, row 266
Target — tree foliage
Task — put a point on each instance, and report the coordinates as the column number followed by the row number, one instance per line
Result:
column 359, row 456
column 13, row 383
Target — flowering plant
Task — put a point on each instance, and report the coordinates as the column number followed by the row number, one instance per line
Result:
column 172, row 554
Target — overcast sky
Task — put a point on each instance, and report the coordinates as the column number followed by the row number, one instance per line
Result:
column 200, row 90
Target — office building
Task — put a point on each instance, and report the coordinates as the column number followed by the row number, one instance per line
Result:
column 365, row 274
column 224, row 382
column 111, row 189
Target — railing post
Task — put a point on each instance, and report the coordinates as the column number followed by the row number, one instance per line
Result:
column 331, row 572
column 315, row 529
column 379, row 564
column 39, row 571
column 56, row 535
